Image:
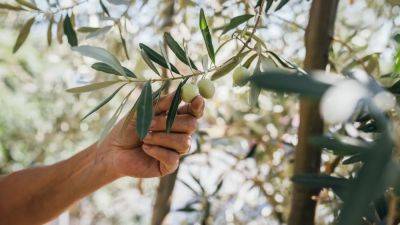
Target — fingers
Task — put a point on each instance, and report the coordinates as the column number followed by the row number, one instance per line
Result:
column 175, row 141
column 163, row 104
column 182, row 124
column 195, row 108
column 168, row 159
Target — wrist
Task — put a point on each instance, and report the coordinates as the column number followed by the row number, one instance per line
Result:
column 102, row 163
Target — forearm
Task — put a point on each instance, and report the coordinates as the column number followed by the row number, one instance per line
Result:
column 35, row 196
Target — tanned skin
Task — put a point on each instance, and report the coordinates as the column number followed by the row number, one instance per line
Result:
column 38, row 195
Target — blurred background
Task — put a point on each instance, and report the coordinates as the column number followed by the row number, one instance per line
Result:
column 242, row 156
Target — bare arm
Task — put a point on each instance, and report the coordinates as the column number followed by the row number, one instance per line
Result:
column 37, row 195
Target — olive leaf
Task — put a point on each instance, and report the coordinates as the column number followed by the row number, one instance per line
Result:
column 88, row 29
column 103, row 67
column 157, row 58
column 268, row 6
column 164, row 54
column 102, row 55
column 109, row 125
column 177, row 50
column 149, row 63
column 228, row 66
column 225, row 68
column 248, row 62
column 289, row 82
column 28, row 4
column 281, row 4
column 23, row 34
column 49, row 30
column 104, row 8
column 236, row 21
column 100, row 31
column 11, row 7
column 92, row 87
column 70, row 32
column 144, row 111
column 205, row 31
column 173, row 109
column 105, row 101
column 60, row 30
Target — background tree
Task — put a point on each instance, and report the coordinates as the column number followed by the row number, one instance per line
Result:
column 241, row 152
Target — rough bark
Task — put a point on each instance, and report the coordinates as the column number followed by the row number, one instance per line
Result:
column 318, row 38
column 162, row 204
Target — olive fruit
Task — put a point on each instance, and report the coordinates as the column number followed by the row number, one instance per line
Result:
column 240, row 76
column 206, row 88
column 189, row 92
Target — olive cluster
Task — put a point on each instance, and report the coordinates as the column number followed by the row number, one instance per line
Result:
column 205, row 87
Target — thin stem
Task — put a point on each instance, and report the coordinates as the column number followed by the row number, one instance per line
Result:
column 260, row 9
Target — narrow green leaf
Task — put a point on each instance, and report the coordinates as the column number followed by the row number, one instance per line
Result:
column 60, row 30
column 157, row 58
column 49, row 30
column 149, row 63
column 102, row 55
column 23, row 34
column 104, row 8
column 28, row 4
column 236, row 21
column 226, row 68
column 281, row 4
column 99, row 66
column 249, row 60
column 268, row 6
column 339, row 147
column 145, row 111
column 105, row 101
column 88, row 29
column 177, row 50
column 254, row 94
column 11, row 7
column 92, row 87
column 101, row 31
column 173, row 109
column 70, row 32
column 283, row 81
column 109, row 125
column 206, row 35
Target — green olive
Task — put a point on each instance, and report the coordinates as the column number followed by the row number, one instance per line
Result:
column 189, row 92
column 206, row 88
column 240, row 76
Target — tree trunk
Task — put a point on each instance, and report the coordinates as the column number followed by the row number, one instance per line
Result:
column 318, row 38
column 164, row 197
column 166, row 186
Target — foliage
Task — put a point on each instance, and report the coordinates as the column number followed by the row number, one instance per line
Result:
column 363, row 144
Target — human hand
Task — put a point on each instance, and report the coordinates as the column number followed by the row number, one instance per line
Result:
column 159, row 152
